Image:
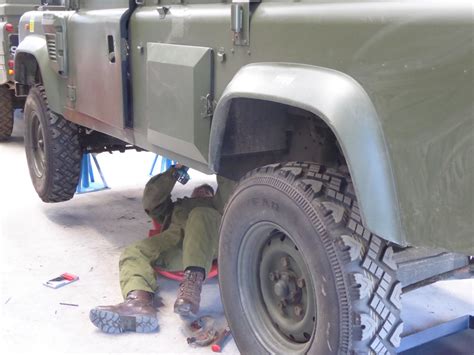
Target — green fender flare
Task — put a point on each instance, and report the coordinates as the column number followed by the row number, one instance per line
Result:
column 34, row 46
column 347, row 109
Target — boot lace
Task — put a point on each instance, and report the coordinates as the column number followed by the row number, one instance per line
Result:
column 190, row 288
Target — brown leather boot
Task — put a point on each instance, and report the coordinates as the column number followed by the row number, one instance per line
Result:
column 135, row 314
column 189, row 293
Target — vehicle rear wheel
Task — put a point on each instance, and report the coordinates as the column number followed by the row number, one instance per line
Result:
column 52, row 149
column 298, row 271
column 6, row 112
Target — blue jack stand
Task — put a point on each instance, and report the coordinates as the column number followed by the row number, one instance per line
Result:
column 453, row 337
column 87, row 182
column 165, row 164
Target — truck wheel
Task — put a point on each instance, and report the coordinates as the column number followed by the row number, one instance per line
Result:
column 299, row 273
column 52, row 148
column 6, row 113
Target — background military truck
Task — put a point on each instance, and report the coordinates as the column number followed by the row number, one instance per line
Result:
column 10, row 12
column 350, row 125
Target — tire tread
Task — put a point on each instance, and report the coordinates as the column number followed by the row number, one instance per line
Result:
column 365, row 273
column 66, row 152
column 6, row 113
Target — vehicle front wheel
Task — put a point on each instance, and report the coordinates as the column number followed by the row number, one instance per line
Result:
column 52, row 149
column 299, row 273
column 6, row 112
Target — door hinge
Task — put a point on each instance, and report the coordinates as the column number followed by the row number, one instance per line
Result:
column 71, row 93
column 240, row 13
column 208, row 104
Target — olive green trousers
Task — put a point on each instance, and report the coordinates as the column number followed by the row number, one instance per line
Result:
column 174, row 249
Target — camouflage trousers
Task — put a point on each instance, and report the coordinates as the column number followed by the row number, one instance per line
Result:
column 173, row 249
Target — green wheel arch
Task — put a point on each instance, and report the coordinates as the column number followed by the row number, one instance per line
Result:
column 347, row 109
column 32, row 56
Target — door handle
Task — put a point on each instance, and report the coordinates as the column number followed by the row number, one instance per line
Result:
column 111, row 47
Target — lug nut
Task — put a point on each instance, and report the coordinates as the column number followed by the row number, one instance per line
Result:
column 300, row 283
column 281, row 307
column 274, row 276
column 298, row 310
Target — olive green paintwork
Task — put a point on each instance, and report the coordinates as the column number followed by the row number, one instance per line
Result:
column 16, row 7
column 346, row 108
column 10, row 12
column 177, row 74
column 35, row 46
column 411, row 61
column 4, row 54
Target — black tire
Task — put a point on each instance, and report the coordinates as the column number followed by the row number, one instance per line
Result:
column 349, row 287
column 6, row 112
column 52, row 149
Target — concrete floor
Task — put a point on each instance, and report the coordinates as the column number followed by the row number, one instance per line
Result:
column 85, row 236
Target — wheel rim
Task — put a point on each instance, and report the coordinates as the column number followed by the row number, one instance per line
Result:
column 38, row 148
column 276, row 289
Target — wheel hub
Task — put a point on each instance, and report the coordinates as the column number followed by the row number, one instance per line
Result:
column 286, row 287
column 282, row 289
column 290, row 305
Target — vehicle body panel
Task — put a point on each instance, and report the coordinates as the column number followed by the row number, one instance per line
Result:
column 16, row 7
column 35, row 46
column 10, row 12
column 4, row 54
column 177, row 74
column 94, row 67
column 412, row 59
column 347, row 109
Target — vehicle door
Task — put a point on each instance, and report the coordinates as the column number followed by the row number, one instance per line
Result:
column 96, row 53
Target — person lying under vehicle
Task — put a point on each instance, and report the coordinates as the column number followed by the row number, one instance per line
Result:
column 188, row 241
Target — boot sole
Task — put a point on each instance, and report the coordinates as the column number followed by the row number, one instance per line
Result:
column 113, row 323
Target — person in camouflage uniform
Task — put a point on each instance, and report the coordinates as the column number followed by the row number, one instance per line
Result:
column 188, row 240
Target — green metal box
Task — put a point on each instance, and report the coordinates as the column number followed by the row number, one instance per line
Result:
column 178, row 74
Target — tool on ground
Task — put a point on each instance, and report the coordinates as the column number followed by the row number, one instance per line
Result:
column 219, row 343
column 202, row 331
column 61, row 280
column 68, row 304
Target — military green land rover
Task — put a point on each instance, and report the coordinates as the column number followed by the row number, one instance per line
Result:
column 348, row 123
column 10, row 12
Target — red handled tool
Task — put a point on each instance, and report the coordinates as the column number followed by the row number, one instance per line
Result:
column 220, row 342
